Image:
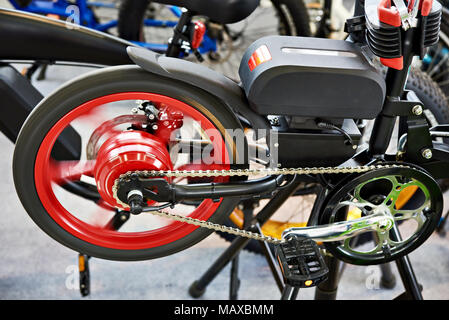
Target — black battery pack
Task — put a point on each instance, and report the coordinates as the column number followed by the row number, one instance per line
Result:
column 311, row 77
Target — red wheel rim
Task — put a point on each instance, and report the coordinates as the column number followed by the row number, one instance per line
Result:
column 108, row 238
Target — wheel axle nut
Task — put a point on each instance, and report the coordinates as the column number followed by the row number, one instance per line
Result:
column 417, row 110
column 427, row 154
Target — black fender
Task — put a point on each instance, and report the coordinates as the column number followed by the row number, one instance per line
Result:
column 223, row 88
column 28, row 36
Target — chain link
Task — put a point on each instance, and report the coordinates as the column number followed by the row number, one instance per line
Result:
column 145, row 174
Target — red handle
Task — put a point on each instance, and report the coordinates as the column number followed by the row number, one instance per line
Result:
column 198, row 34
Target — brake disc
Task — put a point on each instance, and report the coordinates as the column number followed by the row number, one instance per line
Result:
column 408, row 194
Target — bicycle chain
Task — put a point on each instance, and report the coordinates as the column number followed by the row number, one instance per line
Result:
column 145, row 174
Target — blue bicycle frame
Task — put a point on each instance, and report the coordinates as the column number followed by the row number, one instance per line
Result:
column 82, row 14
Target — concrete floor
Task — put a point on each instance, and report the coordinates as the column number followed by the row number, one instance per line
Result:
column 36, row 267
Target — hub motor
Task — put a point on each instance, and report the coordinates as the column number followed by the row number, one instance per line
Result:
column 128, row 151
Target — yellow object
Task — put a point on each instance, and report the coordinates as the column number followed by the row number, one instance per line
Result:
column 81, row 263
column 405, row 196
column 308, row 283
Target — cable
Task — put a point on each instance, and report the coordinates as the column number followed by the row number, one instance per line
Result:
column 330, row 126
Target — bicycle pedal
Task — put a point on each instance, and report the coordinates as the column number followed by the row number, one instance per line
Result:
column 301, row 262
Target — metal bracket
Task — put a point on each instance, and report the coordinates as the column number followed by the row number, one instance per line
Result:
column 408, row 17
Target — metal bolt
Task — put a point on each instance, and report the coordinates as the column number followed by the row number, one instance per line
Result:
column 151, row 116
column 276, row 145
column 155, row 127
column 134, row 110
column 428, row 212
column 384, row 224
column 417, row 110
column 427, row 154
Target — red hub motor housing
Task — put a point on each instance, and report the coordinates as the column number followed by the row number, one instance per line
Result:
column 128, row 151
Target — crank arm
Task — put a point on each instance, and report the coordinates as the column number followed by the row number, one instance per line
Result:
column 338, row 231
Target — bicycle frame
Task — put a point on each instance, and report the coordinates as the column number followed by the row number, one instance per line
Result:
column 81, row 13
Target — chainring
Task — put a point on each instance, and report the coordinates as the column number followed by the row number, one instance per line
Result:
column 364, row 192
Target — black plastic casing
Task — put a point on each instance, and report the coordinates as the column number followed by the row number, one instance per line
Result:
column 312, row 77
column 18, row 97
column 27, row 36
column 316, row 148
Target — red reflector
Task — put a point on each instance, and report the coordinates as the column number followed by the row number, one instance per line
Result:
column 388, row 14
column 259, row 56
column 198, row 34
column 395, row 63
column 425, row 7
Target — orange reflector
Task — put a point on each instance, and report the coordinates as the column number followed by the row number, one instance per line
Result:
column 54, row 16
column 81, row 263
column 261, row 55
column 308, row 283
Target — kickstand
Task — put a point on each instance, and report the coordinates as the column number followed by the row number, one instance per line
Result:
column 198, row 287
column 29, row 72
column 42, row 75
column 412, row 287
column 247, row 208
column 235, row 281
column 289, row 293
column 115, row 223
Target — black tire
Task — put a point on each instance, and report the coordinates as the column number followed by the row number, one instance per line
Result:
column 430, row 94
column 438, row 68
column 292, row 13
column 130, row 19
column 85, row 88
column 296, row 11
